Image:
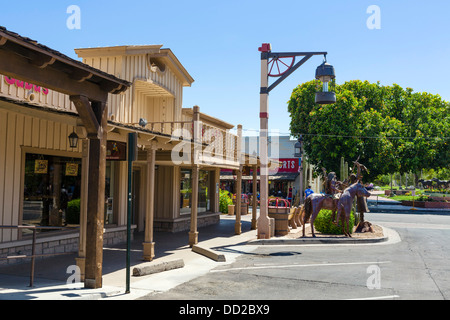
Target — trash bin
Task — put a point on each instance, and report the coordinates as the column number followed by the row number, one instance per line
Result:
column 279, row 210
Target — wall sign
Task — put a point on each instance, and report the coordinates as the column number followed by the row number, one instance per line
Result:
column 116, row 151
column 25, row 85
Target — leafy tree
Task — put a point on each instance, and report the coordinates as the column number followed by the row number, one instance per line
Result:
column 390, row 128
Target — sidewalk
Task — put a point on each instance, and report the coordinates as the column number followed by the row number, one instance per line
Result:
column 50, row 280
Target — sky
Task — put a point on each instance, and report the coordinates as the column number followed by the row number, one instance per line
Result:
column 217, row 42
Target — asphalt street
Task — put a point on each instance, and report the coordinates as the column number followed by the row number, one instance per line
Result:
column 415, row 266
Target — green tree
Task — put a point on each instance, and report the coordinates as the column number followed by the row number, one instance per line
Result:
column 390, row 128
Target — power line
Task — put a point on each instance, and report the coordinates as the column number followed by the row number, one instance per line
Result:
column 349, row 136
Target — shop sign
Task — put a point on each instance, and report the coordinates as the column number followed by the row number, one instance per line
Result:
column 116, row 151
column 288, row 165
column 25, row 85
column 71, row 169
column 41, row 166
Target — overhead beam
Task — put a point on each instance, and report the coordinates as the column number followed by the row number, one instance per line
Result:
column 86, row 114
column 18, row 67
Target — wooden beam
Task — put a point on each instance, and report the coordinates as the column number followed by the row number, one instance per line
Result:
column 18, row 67
column 81, row 75
column 86, row 114
column 42, row 61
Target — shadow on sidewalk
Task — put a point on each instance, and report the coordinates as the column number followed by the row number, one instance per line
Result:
column 54, row 269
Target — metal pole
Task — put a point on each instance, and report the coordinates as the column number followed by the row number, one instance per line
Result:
column 33, row 258
column 132, row 143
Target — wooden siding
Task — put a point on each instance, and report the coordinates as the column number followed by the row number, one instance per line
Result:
column 137, row 103
column 20, row 133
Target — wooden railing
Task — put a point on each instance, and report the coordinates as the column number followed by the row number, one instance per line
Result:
column 216, row 141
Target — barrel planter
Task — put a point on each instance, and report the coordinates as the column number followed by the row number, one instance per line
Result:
column 279, row 210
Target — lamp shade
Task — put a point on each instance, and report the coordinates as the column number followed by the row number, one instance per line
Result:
column 325, row 73
column 73, row 140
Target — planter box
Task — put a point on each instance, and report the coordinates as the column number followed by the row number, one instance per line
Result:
column 427, row 204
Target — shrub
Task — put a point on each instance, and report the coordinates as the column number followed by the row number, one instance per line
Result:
column 73, row 212
column 324, row 225
column 224, row 201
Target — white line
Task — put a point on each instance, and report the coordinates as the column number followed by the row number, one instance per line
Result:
column 377, row 298
column 302, row 265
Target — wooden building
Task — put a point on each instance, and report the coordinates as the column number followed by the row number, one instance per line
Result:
column 46, row 182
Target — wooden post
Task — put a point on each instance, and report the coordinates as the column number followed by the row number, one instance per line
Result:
column 255, row 197
column 94, row 116
column 196, row 148
column 193, row 234
column 149, row 245
column 81, row 259
column 238, row 224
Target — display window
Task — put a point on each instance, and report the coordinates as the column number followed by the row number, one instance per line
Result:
column 186, row 191
column 52, row 186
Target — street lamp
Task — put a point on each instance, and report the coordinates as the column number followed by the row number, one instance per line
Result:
column 73, row 140
column 280, row 65
column 325, row 73
column 298, row 148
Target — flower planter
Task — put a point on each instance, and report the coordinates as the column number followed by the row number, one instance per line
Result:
column 427, row 204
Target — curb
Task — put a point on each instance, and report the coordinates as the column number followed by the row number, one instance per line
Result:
column 209, row 253
column 156, row 268
column 301, row 241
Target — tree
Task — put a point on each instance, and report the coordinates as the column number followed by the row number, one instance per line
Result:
column 389, row 128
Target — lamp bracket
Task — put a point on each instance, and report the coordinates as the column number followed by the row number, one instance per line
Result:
column 277, row 55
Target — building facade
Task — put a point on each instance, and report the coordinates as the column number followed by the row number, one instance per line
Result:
column 175, row 178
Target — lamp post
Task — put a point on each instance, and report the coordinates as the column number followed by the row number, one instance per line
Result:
column 298, row 147
column 279, row 65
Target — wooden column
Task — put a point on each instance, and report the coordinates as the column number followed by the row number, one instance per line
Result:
column 193, row 233
column 81, row 259
column 255, row 197
column 196, row 149
column 94, row 117
column 149, row 245
column 238, row 224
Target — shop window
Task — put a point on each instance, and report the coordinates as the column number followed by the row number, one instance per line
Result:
column 52, row 187
column 186, row 191
column 110, row 183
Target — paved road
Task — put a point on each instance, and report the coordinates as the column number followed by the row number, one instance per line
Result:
column 417, row 267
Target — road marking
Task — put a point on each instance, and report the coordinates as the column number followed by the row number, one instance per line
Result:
column 302, row 265
column 376, row 298
column 412, row 225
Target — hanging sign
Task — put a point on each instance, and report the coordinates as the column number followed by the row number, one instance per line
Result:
column 41, row 166
column 116, row 151
column 71, row 169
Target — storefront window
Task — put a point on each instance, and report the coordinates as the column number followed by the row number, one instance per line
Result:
column 51, row 190
column 109, row 192
column 186, row 191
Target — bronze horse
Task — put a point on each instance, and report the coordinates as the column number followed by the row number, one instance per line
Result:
column 313, row 204
column 344, row 206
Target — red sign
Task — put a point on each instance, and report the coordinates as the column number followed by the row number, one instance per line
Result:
column 288, row 165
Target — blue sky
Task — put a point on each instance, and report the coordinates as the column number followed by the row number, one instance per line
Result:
column 217, row 42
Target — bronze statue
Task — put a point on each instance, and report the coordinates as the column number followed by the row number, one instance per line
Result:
column 344, row 206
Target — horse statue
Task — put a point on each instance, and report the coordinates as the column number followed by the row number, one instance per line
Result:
column 313, row 204
column 316, row 202
column 344, row 205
